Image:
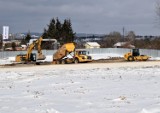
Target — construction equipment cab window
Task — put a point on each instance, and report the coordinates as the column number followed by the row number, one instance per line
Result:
column 135, row 52
column 82, row 53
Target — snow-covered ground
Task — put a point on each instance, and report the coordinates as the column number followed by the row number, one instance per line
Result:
column 129, row 87
column 8, row 60
column 82, row 88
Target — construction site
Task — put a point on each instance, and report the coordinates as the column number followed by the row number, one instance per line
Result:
column 67, row 54
column 70, row 80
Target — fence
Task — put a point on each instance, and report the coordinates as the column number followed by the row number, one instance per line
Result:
column 122, row 51
column 119, row 51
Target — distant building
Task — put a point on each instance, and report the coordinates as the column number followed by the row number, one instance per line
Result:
column 123, row 45
column 34, row 36
column 92, row 45
column 9, row 42
column 20, row 36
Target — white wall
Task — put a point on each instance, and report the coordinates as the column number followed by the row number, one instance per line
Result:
column 120, row 51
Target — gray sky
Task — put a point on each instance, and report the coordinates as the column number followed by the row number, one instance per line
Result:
column 87, row 16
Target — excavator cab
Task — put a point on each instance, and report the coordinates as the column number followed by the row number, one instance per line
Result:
column 33, row 57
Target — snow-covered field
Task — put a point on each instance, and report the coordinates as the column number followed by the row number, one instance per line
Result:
column 131, row 87
column 82, row 88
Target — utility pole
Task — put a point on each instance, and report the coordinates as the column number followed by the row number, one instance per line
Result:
column 1, row 42
column 123, row 33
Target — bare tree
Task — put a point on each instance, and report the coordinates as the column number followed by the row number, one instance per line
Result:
column 111, row 39
column 131, row 37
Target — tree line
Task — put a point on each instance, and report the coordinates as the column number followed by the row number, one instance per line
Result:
column 143, row 42
column 130, row 38
column 63, row 32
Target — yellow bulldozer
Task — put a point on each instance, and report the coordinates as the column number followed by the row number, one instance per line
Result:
column 68, row 54
column 29, row 56
column 134, row 55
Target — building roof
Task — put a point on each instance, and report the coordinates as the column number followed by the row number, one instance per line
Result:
column 92, row 43
column 120, row 43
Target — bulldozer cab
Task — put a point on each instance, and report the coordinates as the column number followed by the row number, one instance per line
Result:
column 135, row 52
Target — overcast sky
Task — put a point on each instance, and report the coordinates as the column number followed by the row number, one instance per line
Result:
column 87, row 16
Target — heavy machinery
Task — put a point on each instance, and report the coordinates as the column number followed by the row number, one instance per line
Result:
column 68, row 54
column 29, row 56
column 134, row 55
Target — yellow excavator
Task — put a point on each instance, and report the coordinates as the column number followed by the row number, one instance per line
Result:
column 29, row 56
column 67, row 54
column 134, row 55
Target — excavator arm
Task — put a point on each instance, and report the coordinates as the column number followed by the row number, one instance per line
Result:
column 28, row 55
column 40, row 55
column 31, row 47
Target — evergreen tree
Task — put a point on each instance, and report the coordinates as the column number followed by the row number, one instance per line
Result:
column 67, row 32
column 45, row 34
column 62, row 32
column 58, row 29
column 70, row 33
column 52, row 29
column 63, row 39
column 28, row 37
